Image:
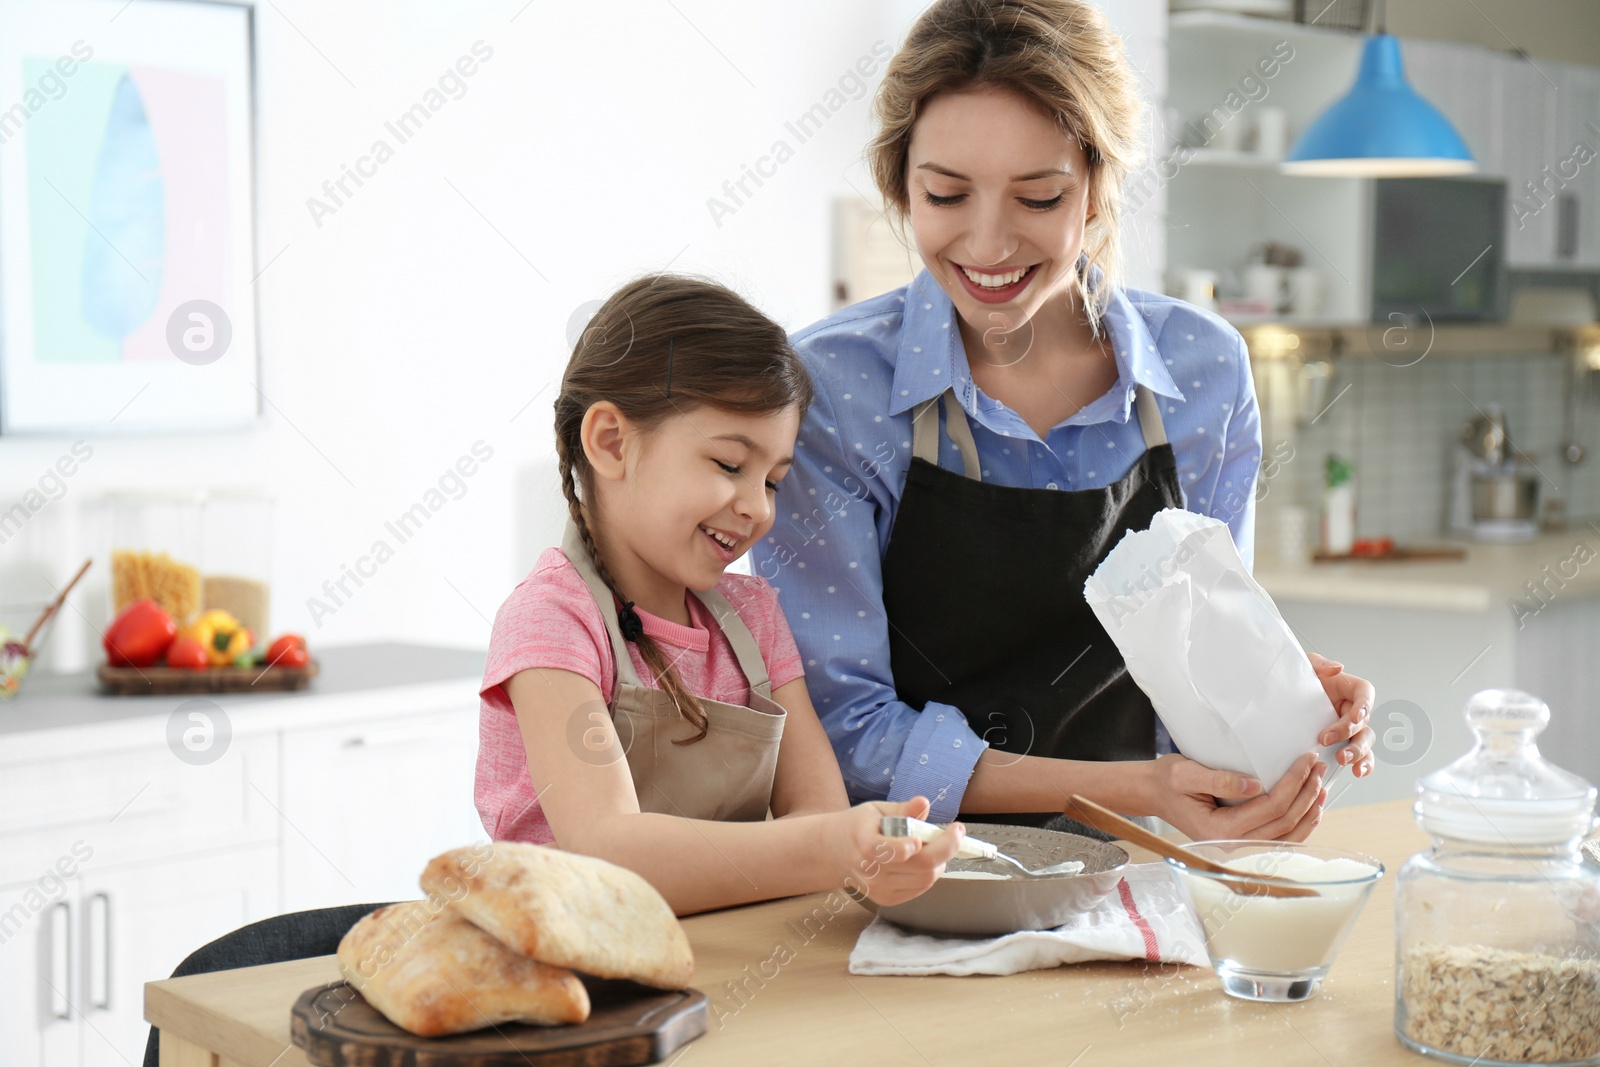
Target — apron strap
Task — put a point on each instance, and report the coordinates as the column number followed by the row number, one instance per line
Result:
column 742, row 640
column 738, row 634
column 572, row 546
column 1150, row 424
column 926, row 433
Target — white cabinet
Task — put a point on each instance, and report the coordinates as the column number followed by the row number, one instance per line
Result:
column 1463, row 82
column 100, row 898
column 140, row 923
column 73, row 973
column 118, row 858
column 1576, row 139
column 1531, row 122
column 365, row 805
column 134, row 804
column 1552, row 119
column 38, row 956
column 1528, row 100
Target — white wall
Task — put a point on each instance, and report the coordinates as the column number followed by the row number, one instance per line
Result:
column 407, row 325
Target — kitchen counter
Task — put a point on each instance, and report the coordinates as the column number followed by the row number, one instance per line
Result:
column 52, row 712
column 1100, row 1013
column 1490, row 576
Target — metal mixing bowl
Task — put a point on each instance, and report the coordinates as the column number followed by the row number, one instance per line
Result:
column 970, row 907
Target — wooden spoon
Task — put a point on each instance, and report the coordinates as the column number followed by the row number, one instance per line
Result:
column 55, row 605
column 1258, row 885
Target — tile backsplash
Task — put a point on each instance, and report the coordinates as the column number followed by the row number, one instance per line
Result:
column 1399, row 426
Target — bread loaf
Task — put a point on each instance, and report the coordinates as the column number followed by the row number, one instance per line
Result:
column 430, row 971
column 565, row 909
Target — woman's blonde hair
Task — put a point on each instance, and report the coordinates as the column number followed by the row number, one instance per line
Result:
column 1060, row 55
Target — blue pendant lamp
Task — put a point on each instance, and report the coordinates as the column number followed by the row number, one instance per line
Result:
column 1381, row 128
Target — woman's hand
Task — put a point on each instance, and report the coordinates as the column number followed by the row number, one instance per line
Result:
column 890, row 870
column 1353, row 698
column 1186, row 794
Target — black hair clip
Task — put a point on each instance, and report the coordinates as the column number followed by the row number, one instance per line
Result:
column 629, row 622
column 669, row 366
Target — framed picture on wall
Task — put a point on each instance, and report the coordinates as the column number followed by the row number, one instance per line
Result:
column 127, row 217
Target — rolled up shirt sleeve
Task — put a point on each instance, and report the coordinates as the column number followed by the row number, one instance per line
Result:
column 823, row 556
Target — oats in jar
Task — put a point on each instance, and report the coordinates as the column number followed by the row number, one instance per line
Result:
column 1496, row 1004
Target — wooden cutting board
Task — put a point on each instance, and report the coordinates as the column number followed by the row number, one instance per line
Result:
column 148, row 681
column 1398, row 554
column 628, row 1024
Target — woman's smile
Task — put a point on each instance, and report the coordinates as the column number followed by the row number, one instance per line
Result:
column 996, row 285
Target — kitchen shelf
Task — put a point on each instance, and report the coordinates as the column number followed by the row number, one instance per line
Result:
column 1245, row 322
column 1284, row 339
column 1217, row 157
column 1231, row 27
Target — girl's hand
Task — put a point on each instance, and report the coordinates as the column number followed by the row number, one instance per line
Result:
column 1186, row 795
column 889, row 870
column 1353, row 698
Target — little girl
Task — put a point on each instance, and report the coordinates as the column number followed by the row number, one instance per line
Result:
column 639, row 703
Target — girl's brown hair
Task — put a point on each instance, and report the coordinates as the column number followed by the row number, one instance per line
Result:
column 664, row 345
column 1062, row 56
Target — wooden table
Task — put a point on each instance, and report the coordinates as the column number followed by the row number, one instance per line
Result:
column 811, row 1010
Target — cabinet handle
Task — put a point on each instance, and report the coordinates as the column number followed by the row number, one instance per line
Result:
column 104, row 1003
column 64, row 989
column 388, row 738
column 160, row 806
column 1566, row 225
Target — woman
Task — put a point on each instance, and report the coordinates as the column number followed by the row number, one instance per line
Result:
column 983, row 437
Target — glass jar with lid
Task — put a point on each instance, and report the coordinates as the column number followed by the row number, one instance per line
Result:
column 193, row 550
column 1497, row 926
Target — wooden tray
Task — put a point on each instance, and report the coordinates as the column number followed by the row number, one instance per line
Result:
column 628, row 1024
column 149, row 681
column 1398, row 554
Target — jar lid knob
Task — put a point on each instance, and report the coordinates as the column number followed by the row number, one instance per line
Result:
column 1492, row 711
column 1504, row 792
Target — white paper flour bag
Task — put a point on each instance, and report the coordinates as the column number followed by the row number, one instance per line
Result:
column 1208, row 646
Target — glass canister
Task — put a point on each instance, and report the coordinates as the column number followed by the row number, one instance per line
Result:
column 1497, row 926
column 194, row 550
column 236, row 559
column 154, row 549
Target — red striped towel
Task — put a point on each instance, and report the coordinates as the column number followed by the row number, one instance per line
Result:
column 1144, row 919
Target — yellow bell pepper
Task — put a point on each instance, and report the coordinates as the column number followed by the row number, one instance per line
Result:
column 221, row 635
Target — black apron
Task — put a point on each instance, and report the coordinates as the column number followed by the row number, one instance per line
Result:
column 983, row 588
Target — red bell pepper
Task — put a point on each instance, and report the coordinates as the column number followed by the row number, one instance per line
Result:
column 139, row 636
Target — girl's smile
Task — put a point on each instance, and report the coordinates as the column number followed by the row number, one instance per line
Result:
column 728, row 547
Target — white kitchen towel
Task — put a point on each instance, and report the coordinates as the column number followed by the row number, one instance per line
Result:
column 1144, row 918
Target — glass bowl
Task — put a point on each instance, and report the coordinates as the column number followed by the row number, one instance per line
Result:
column 1276, row 949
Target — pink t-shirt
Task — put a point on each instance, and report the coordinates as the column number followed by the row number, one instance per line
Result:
column 551, row 620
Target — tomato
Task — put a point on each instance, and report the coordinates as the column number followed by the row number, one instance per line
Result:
column 289, row 650
column 188, row 654
column 138, row 636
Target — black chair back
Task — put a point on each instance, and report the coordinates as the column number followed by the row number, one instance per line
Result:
column 298, row 935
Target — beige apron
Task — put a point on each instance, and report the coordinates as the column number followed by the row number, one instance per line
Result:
column 726, row 775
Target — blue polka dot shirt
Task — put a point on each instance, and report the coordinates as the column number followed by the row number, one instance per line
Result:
column 872, row 364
